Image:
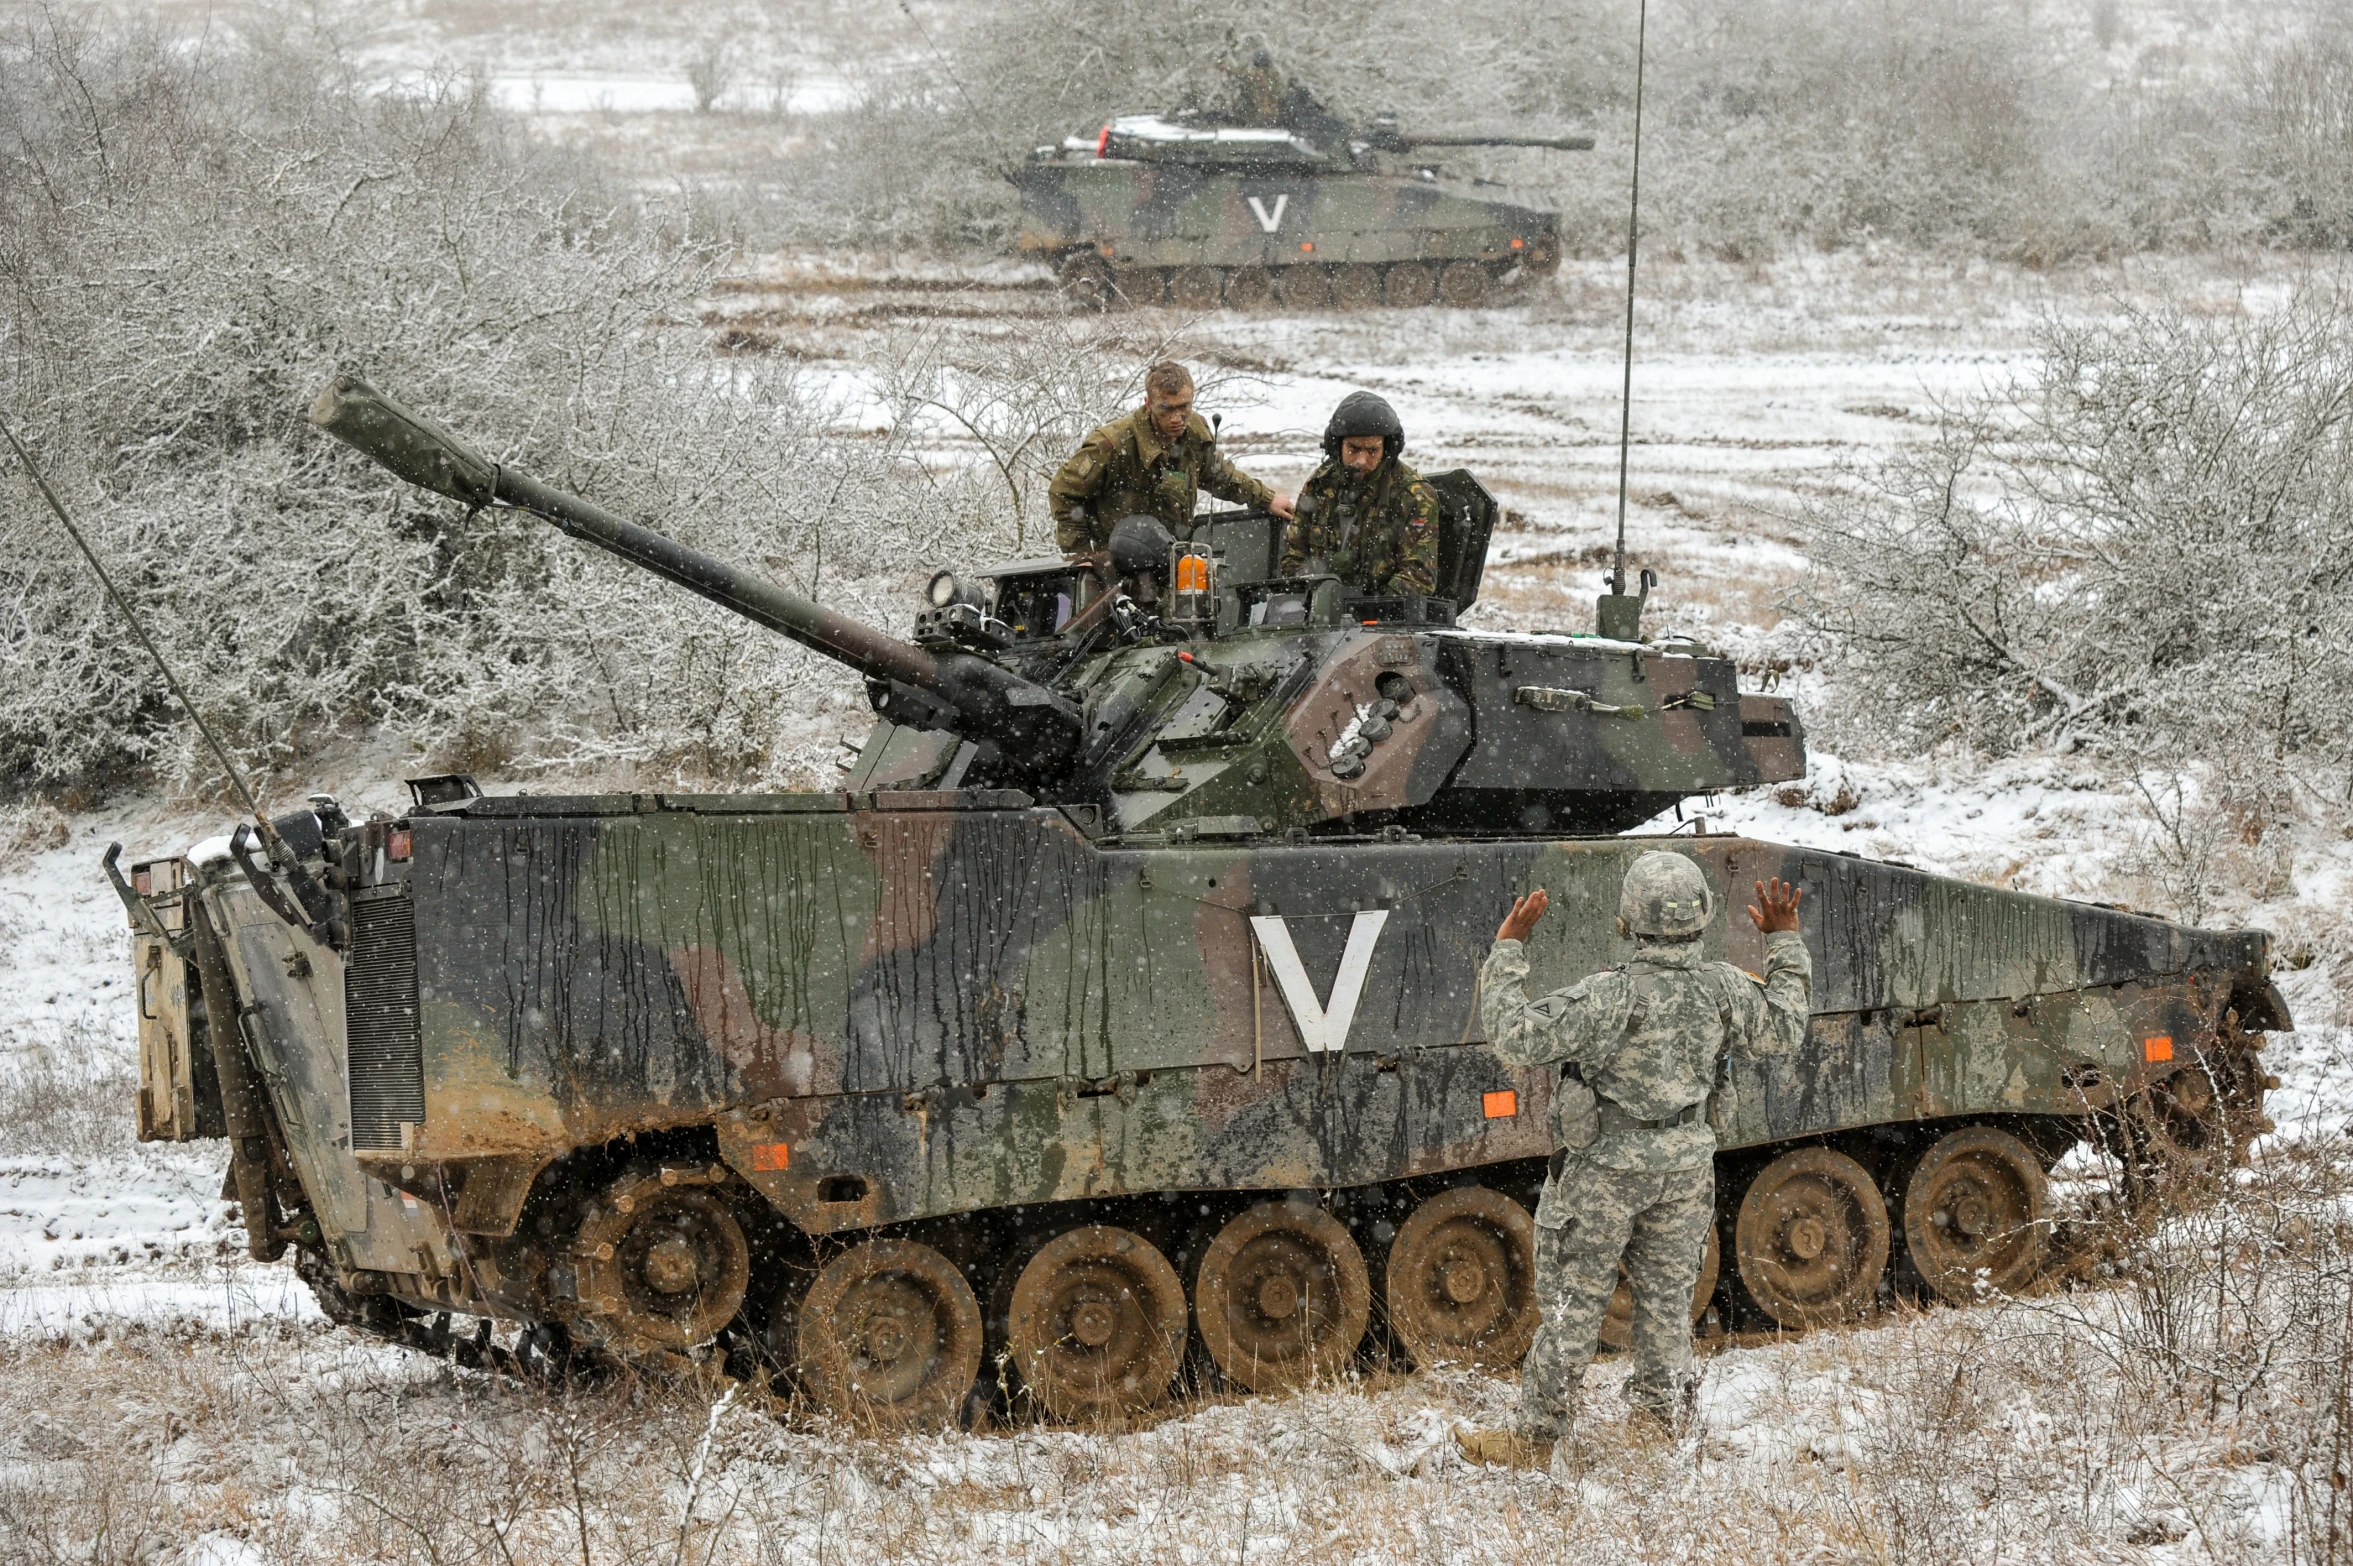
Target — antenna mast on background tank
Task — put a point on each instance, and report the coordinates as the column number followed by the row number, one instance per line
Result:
column 1620, row 615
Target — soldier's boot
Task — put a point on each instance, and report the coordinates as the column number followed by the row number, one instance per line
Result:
column 1662, row 1413
column 1504, row 1449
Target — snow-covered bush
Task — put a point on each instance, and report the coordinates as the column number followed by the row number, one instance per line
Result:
column 2029, row 132
column 197, row 238
column 2143, row 548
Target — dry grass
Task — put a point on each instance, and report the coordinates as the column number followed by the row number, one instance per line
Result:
column 2190, row 1396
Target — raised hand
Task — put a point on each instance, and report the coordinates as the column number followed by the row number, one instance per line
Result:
column 1526, row 911
column 1776, row 906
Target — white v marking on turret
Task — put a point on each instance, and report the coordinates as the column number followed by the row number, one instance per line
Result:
column 1270, row 221
column 1323, row 1027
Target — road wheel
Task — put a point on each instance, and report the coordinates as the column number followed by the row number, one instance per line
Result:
column 1974, row 1213
column 1097, row 1323
column 1196, row 287
column 1617, row 1326
column 1139, row 286
column 1462, row 1280
column 1251, row 288
column 889, row 1335
column 1086, row 281
column 1409, row 285
column 1463, row 284
column 1811, row 1238
column 2179, row 1135
column 1304, row 287
column 663, row 1263
column 1282, row 1297
column 1356, row 287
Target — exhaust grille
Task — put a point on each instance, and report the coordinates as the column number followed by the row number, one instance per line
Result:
column 383, row 1044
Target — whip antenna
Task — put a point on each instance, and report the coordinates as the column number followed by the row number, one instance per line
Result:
column 1633, row 238
column 220, row 751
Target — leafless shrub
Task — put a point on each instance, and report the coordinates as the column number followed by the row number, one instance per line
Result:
column 197, row 239
column 2139, row 550
column 710, row 72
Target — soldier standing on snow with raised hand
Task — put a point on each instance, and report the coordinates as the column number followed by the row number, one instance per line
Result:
column 1153, row 462
column 1364, row 516
column 1641, row 1049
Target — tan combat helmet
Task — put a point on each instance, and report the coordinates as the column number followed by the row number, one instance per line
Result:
column 1665, row 895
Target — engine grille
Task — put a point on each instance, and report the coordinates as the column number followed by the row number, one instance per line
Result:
column 383, row 1043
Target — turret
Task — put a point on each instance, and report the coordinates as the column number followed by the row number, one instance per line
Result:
column 1327, row 143
column 1203, row 691
column 959, row 692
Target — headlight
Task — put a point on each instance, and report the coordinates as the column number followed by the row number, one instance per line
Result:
column 948, row 589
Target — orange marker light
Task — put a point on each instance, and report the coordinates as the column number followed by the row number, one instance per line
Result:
column 770, row 1156
column 2158, row 1048
column 1307, row 246
column 1519, row 244
column 1503, row 1105
column 1192, row 575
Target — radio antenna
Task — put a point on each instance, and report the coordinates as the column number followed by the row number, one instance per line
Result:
column 220, row 751
column 1633, row 238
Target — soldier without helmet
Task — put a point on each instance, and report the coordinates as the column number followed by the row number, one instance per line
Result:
column 1155, row 462
column 1640, row 1049
column 1364, row 516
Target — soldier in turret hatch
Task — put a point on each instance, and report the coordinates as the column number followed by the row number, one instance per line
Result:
column 1259, row 90
column 1640, row 1050
column 1153, row 462
column 1364, row 516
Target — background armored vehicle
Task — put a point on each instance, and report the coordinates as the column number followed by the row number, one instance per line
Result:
column 1311, row 211
column 1121, row 1001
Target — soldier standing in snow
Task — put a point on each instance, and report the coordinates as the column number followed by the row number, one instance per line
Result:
column 1640, row 1049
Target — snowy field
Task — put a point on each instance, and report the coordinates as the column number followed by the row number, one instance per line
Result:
column 151, row 1375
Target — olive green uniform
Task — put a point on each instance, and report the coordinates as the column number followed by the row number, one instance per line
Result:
column 1378, row 532
column 1641, row 1049
column 1258, row 95
column 1124, row 469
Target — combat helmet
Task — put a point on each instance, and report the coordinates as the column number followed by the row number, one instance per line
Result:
column 1665, row 895
column 1362, row 413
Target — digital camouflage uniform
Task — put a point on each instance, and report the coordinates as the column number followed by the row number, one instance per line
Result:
column 1124, row 469
column 1647, row 1040
column 1378, row 533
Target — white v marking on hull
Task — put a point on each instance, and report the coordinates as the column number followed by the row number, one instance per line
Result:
column 1269, row 221
column 1322, row 1028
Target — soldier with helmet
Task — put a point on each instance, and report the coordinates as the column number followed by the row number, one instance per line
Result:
column 1365, row 516
column 1259, row 90
column 1640, row 1048
column 1156, row 462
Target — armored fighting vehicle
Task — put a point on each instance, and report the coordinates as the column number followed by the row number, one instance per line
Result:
column 1119, row 1006
column 1311, row 212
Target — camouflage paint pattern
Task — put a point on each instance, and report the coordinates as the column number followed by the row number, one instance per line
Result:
column 1177, row 950
column 1172, row 215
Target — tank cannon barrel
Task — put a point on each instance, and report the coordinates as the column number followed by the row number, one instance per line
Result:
column 981, row 700
column 1557, row 143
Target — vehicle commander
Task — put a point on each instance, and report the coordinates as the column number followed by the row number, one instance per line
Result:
column 1641, row 1096
column 1364, row 516
column 1154, row 462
